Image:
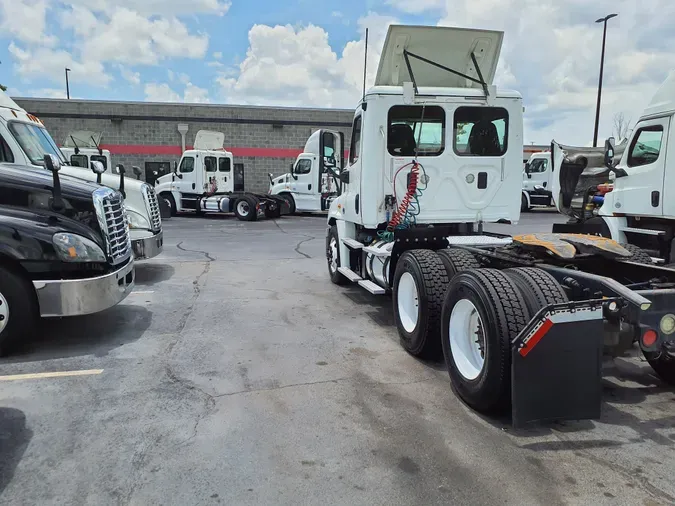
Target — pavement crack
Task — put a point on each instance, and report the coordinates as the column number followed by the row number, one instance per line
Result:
column 205, row 253
column 281, row 387
column 297, row 246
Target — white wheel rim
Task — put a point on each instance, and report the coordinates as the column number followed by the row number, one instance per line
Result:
column 4, row 313
column 242, row 208
column 333, row 254
column 408, row 302
column 467, row 335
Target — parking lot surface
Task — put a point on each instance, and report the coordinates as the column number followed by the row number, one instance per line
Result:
column 236, row 374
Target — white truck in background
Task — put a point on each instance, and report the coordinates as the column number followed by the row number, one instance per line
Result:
column 25, row 141
column 625, row 192
column 203, row 182
column 537, row 182
column 313, row 181
column 81, row 147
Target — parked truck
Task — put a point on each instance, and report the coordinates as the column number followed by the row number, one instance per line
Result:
column 203, row 182
column 65, row 248
column 537, row 182
column 25, row 140
column 81, row 147
column 313, row 181
column 625, row 192
column 521, row 321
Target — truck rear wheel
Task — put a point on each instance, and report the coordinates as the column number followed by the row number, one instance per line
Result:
column 456, row 260
column 18, row 309
column 419, row 287
column 482, row 313
column 245, row 208
column 663, row 365
column 333, row 256
column 538, row 287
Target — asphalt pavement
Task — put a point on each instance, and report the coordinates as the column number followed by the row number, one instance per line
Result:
column 237, row 374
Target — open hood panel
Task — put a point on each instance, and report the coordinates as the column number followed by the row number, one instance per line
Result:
column 449, row 47
column 208, row 139
column 82, row 139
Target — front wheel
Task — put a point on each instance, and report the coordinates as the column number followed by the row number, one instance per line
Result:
column 245, row 208
column 291, row 202
column 524, row 204
column 483, row 312
column 18, row 309
column 170, row 202
column 333, row 256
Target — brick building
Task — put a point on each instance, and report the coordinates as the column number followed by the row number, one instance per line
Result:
column 263, row 139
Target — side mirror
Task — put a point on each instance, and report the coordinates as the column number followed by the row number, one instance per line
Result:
column 609, row 152
column 137, row 171
column 292, row 172
column 344, row 176
column 52, row 163
column 527, row 168
column 97, row 167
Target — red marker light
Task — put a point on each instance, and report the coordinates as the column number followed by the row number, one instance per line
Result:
column 649, row 338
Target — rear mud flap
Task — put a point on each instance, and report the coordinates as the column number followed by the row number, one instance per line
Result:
column 556, row 364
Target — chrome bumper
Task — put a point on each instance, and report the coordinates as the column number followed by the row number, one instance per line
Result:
column 70, row 297
column 148, row 247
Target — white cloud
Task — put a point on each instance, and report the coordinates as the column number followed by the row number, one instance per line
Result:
column 25, row 21
column 157, row 7
column 336, row 14
column 217, row 55
column 416, row 6
column 130, row 76
column 49, row 93
column 162, row 92
column 216, row 64
column 289, row 66
column 184, row 78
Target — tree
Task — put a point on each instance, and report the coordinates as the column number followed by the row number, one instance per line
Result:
column 621, row 126
column 3, row 88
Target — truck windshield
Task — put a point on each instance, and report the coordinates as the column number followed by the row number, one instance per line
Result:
column 35, row 141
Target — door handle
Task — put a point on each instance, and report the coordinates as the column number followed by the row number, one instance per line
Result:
column 309, row 186
column 193, row 186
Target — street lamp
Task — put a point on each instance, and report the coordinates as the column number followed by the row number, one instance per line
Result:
column 602, row 66
column 67, row 87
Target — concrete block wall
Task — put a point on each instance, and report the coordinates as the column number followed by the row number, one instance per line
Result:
column 136, row 132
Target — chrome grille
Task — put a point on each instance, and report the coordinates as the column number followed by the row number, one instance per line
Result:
column 114, row 224
column 153, row 207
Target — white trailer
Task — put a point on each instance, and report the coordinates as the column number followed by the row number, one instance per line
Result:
column 635, row 200
column 203, row 182
column 313, row 181
column 435, row 153
column 537, row 182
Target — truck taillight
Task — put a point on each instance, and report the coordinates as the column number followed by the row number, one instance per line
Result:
column 605, row 188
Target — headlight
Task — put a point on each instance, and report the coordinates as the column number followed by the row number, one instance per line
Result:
column 137, row 220
column 75, row 248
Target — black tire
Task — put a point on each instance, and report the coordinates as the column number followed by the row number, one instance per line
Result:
column 334, row 254
column 273, row 213
column 291, row 201
column 538, row 287
column 430, row 281
column 247, row 202
column 171, row 202
column 456, row 260
column 503, row 314
column 524, row 206
column 640, row 256
column 663, row 365
column 19, row 311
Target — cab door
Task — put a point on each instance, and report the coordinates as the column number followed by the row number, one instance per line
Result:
column 641, row 190
column 330, row 165
column 304, row 182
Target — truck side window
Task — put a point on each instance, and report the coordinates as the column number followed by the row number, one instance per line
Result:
column 210, row 163
column 79, row 161
column 355, row 147
column 187, row 165
column 303, row 167
column 224, row 164
column 538, row 165
column 646, row 146
column 6, row 155
column 409, row 125
column 481, row 131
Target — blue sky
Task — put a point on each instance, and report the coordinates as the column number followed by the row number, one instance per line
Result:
column 310, row 52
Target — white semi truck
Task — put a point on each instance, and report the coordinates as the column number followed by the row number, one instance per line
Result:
column 521, row 321
column 625, row 192
column 313, row 181
column 81, row 147
column 203, row 182
column 26, row 141
column 537, row 182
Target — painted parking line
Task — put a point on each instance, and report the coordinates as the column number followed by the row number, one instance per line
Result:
column 55, row 374
column 140, row 292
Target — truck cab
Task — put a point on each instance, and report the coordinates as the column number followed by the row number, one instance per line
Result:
column 81, row 147
column 313, row 180
column 626, row 192
column 25, row 141
column 65, row 248
column 537, row 182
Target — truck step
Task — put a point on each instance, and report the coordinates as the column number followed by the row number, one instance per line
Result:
column 378, row 252
column 352, row 243
column 478, row 240
column 644, row 231
column 658, row 260
column 372, row 287
column 349, row 274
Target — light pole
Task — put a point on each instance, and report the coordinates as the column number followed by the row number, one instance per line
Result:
column 67, row 86
column 602, row 66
